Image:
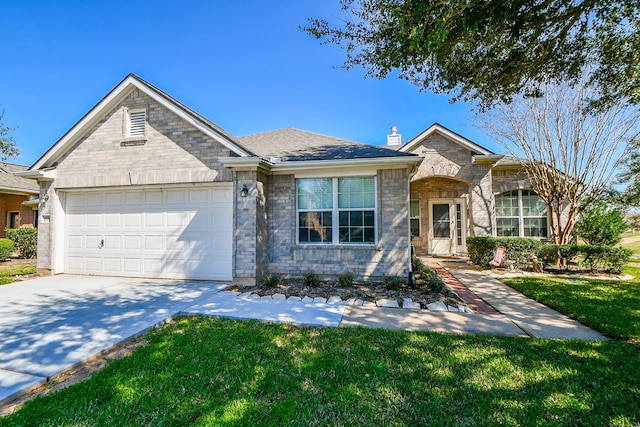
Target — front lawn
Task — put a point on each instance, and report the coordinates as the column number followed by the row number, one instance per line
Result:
column 611, row 307
column 9, row 271
column 215, row 372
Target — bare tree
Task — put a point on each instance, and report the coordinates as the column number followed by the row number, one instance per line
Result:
column 569, row 151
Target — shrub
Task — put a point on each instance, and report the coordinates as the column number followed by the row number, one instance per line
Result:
column 550, row 254
column 346, row 279
column 518, row 249
column 310, row 278
column 392, row 283
column 271, row 280
column 6, row 249
column 600, row 224
column 26, row 240
column 431, row 279
column 605, row 258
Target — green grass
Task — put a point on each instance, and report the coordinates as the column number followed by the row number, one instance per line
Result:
column 216, row 372
column 611, row 307
column 631, row 241
column 7, row 272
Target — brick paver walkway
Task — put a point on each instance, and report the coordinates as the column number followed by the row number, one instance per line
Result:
column 472, row 300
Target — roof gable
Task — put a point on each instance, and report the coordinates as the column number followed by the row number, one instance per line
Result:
column 126, row 86
column 450, row 135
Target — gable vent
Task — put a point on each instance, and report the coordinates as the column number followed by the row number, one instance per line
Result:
column 137, row 121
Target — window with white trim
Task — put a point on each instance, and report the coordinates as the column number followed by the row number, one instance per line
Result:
column 136, row 123
column 414, row 217
column 336, row 210
column 521, row 213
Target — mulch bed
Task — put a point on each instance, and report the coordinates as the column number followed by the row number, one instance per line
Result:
column 366, row 291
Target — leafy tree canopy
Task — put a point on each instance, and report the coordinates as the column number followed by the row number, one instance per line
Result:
column 601, row 224
column 631, row 177
column 8, row 147
column 488, row 50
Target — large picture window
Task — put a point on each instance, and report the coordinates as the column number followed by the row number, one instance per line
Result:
column 521, row 213
column 336, row 210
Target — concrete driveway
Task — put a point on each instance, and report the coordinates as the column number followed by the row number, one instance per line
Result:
column 51, row 323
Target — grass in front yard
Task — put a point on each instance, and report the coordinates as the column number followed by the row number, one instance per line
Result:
column 631, row 241
column 612, row 307
column 216, row 372
column 7, row 272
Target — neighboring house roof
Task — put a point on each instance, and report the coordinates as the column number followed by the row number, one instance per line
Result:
column 292, row 144
column 9, row 183
column 116, row 95
column 453, row 136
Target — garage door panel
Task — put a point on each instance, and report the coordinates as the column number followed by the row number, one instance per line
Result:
column 153, row 219
column 132, row 265
column 152, row 243
column 112, row 265
column 95, row 199
column 163, row 233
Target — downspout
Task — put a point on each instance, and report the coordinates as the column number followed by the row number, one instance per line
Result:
column 410, row 276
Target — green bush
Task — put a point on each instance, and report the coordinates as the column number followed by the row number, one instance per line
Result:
column 550, row 254
column 6, row 249
column 310, row 278
column 431, row 279
column 26, row 241
column 346, row 279
column 271, row 280
column 392, row 283
column 600, row 258
column 518, row 249
column 605, row 258
column 601, row 224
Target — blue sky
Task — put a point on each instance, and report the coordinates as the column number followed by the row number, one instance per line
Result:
column 243, row 64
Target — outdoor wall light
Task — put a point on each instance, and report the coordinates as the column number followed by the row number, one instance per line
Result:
column 245, row 191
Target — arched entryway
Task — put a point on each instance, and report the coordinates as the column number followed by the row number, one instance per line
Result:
column 439, row 216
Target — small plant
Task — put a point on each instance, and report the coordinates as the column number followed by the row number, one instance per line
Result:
column 271, row 280
column 310, row 278
column 431, row 279
column 26, row 241
column 392, row 283
column 346, row 279
column 6, row 248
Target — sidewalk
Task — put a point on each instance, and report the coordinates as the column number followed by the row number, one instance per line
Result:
column 500, row 311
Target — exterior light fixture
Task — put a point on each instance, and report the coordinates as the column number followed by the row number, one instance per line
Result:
column 245, row 191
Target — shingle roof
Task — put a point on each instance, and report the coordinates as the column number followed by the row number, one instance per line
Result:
column 509, row 161
column 292, row 144
column 8, row 181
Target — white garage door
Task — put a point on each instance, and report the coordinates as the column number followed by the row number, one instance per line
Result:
column 180, row 233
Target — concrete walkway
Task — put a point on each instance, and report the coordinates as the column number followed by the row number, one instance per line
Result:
column 50, row 324
column 537, row 320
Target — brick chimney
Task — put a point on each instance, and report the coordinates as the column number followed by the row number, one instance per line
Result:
column 394, row 138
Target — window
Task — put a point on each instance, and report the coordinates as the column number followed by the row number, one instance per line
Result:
column 136, row 122
column 520, row 213
column 336, row 210
column 13, row 219
column 414, row 217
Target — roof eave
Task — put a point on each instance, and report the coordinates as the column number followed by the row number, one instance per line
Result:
column 40, row 175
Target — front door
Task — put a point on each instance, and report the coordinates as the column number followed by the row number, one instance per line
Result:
column 447, row 231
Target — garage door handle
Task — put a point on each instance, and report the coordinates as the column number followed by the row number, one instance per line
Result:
column 101, row 245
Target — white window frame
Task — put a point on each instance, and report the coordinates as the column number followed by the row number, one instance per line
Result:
column 130, row 119
column 520, row 217
column 415, row 217
column 17, row 216
column 335, row 213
